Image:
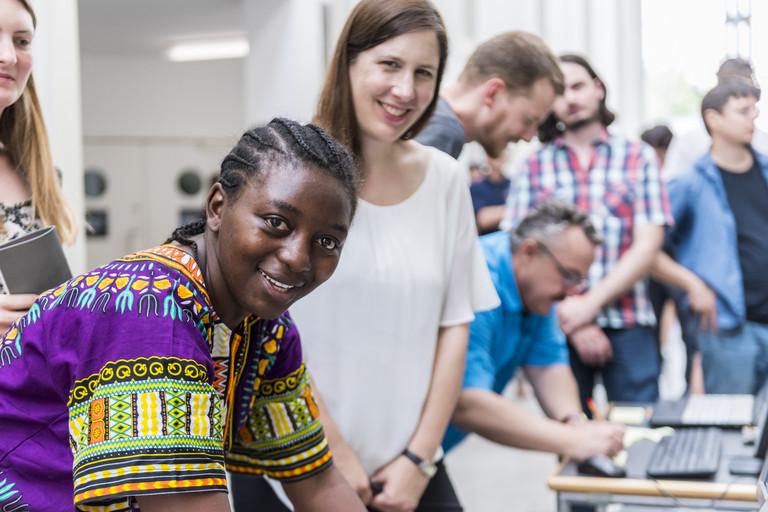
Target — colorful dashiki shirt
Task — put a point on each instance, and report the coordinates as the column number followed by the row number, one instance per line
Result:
column 124, row 382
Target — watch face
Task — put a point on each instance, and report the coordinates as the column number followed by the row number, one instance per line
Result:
column 428, row 468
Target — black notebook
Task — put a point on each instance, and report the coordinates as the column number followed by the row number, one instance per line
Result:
column 33, row 263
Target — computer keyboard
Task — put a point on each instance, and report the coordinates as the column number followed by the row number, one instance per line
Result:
column 688, row 453
column 718, row 410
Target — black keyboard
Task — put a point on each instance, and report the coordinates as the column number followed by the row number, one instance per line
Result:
column 688, row 453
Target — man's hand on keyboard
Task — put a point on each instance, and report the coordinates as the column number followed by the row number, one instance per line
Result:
column 590, row 438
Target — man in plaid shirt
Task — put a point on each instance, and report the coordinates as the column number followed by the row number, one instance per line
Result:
column 610, row 326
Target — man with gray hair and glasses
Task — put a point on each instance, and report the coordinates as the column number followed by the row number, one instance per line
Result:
column 540, row 262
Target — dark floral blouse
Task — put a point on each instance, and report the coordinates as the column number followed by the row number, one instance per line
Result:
column 17, row 219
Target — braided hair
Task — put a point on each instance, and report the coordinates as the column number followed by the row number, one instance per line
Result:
column 280, row 144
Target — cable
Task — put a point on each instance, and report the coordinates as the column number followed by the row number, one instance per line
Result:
column 713, row 502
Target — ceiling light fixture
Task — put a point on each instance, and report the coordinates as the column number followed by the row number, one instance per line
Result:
column 209, row 49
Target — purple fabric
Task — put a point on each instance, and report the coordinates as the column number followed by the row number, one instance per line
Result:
column 127, row 367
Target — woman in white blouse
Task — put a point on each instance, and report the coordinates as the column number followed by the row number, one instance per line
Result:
column 387, row 336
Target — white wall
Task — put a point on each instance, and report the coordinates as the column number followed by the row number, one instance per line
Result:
column 57, row 77
column 494, row 16
column 151, row 97
column 284, row 71
column 142, row 199
column 144, row 120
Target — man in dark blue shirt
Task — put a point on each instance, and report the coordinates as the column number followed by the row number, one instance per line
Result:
column 489, row 196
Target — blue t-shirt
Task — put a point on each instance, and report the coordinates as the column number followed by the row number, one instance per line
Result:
column 507, row 337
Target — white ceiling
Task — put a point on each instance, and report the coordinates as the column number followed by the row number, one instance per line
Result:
column 147, row 27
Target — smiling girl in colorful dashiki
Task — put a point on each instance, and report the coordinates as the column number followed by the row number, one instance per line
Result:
column 133, row 386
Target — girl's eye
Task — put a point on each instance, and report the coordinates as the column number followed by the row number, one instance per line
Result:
column 390, row 64
column 276, row 223
column 328, row 243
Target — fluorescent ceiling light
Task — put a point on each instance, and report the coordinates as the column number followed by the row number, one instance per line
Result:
column 209, row 49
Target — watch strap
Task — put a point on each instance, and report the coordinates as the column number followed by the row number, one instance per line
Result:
column 428, row 468
column 413, row 457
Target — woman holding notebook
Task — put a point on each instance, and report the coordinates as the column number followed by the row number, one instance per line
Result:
column 30, row 195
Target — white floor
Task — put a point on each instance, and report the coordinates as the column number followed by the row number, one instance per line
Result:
column 490, row 478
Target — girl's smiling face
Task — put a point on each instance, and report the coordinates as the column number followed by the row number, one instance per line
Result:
column 277, row 240
column 393, row 83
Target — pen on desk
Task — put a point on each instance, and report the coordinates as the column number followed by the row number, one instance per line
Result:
column 596, row 415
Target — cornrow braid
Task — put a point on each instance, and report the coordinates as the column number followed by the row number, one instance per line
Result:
column 301, row 141
column 182, row 233
column 239, row 159
column 335, row 153
column 253, row 135
column 285, row 145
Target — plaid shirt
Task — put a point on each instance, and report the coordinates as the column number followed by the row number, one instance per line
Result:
column 620, row 188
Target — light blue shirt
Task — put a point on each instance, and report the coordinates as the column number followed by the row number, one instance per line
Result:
column 703, row 238
column 507, row 337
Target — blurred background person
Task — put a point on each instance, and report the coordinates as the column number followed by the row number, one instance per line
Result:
column 720, row 243
column 505, row 90
column 611, row 325
column 669, row 300
column 490, row 194
column 658, row 137
column 689, row 146
column 546, row 257
column 477, row 171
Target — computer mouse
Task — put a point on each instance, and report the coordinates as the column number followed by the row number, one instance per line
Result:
column 601, row 465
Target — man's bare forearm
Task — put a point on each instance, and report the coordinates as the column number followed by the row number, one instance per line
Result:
column 497, row 419
column 555, row 389
column 670, row 272
column 633, row 265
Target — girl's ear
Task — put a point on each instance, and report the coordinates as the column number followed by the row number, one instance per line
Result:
column 214, row 206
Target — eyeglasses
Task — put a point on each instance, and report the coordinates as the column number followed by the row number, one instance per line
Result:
column 571, row 278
